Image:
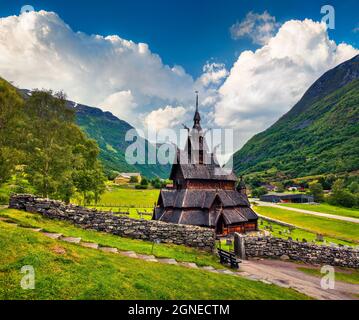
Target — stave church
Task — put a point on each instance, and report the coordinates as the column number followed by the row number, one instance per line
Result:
column 204, row 193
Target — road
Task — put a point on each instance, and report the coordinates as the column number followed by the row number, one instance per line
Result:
column 319, row 214
column 286, row 274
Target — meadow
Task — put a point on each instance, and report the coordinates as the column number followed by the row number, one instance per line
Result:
column 341, row 230
column 68, row 271
column 325, row 208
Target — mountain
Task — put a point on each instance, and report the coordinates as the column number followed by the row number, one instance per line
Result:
column 109, row 133
column 319, row 135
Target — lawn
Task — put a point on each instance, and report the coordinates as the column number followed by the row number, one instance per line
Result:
column 162, row 250
column 341, row 274
column 297, row 234
column 67, row 271
column 342, row 230
column 128, row 196
column 325, row 208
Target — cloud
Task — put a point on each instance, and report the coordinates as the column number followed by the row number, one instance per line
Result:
column 213, row 73
column 258, row 27
column 265, row 84
column 38, row 50
column 121, row 104
column 165, row 118
column 356, row 29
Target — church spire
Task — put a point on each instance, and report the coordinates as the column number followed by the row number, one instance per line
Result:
column 197, row 117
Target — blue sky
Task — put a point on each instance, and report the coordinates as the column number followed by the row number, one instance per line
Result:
column 188, row 32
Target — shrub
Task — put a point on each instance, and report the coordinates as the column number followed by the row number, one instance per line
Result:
column 4, row 199
column 140, row 186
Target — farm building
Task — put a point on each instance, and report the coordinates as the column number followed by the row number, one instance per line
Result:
column 204, row 193
column 287, row 198
column 125, row 177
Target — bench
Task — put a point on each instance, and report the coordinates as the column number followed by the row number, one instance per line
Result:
column 228, row 258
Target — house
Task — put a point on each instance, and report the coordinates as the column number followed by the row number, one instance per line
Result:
column 287, row 198
column 270, row 187
column 204, row 194
column 125, row 177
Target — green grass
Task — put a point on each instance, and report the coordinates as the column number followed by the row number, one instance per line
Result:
column 67, row 271
column 297, row 234
column 326, row 208
column 340, row 230
column 133, row 211
column 341, row 274
column 162, row 250
column 126, row 196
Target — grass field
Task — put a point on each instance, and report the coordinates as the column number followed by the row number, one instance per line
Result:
column 280, row 231
column 121, row 196
column 180, row 253
column 341, row 274
column 341, row 230
column 325, row 208
column 67, row 271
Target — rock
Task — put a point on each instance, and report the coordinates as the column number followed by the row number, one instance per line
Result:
column 89, row 245
column 284, row 257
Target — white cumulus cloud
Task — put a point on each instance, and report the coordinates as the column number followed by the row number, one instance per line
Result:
column 258, row 27
column 38, row 50
column 165, row 118
column 264, row 84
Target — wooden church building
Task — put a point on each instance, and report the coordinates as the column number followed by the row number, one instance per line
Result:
column 204, row 193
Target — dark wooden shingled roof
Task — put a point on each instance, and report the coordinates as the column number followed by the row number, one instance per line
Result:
column 204, row 172
column 198, row 198
column 201, row 217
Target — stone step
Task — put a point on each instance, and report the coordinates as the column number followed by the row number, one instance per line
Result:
column 130, row 254
column 145, row 256
column 208, row 268
column 167, row 261
column 189, row 265
column 89, row 245
column 226, row 271
column 52, row 235
column 71, row 239
column 109, row 249
column 35, row 229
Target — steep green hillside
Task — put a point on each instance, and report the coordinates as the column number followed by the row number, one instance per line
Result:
column 319, row 135
column 109, row 132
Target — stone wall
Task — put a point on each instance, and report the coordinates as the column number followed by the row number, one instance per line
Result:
column 191, row 236
column 270, row 247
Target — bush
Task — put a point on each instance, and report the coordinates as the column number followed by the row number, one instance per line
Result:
column 140, row 186
column 316, row 189
column 144, row 182
column 258, row 192
column 4, row 199
column 133, row 179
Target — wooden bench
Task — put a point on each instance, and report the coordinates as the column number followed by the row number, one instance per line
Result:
column 228, row 258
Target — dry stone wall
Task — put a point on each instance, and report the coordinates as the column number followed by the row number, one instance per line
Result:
column 270, row 247
column 191, row 236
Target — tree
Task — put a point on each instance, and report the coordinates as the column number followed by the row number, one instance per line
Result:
column 144, row 181
column 60, row 160
column 354, row 187
column 316, row 189
column 280, row 186
column 11, row 129
column 341, row 196
column 258, row 192
column 133, row 179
